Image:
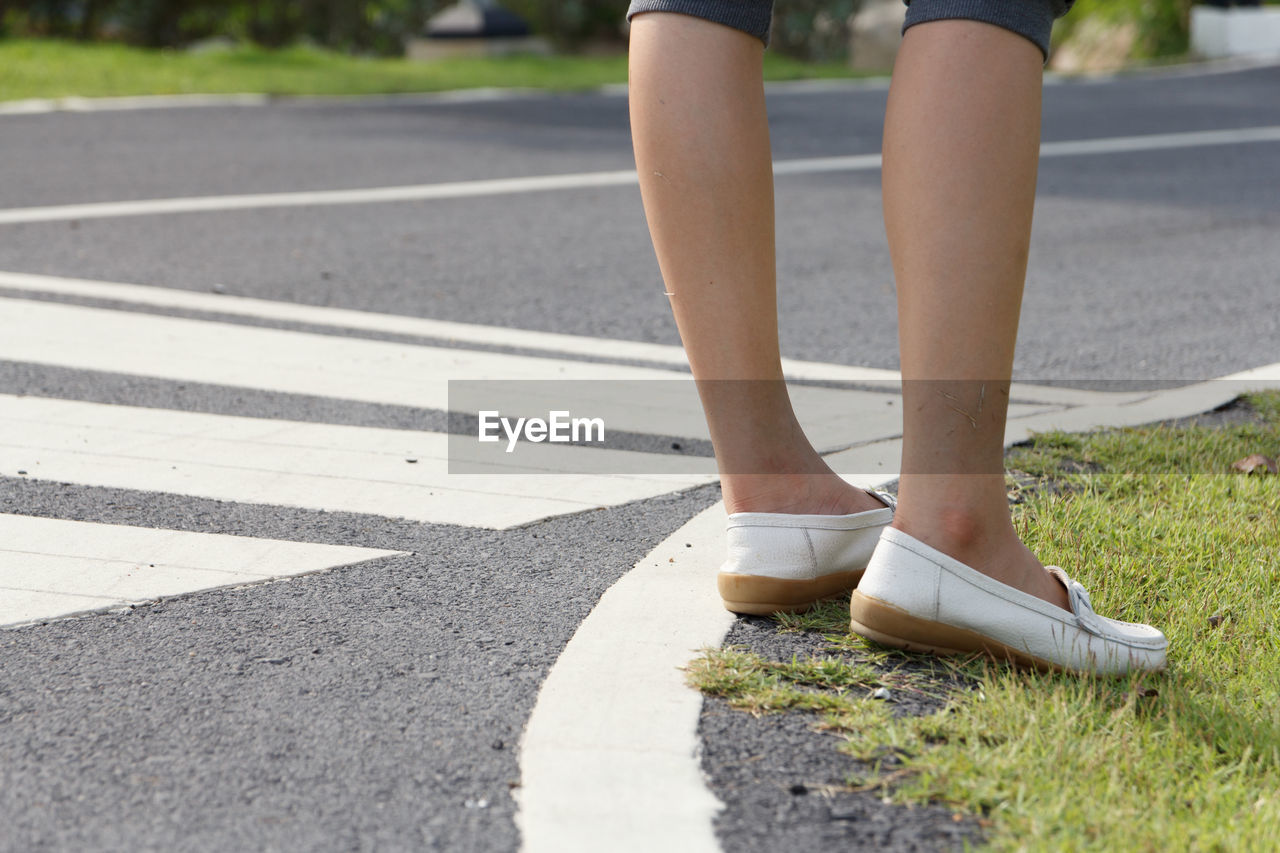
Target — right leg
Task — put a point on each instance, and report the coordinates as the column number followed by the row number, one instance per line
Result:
column 702, row 154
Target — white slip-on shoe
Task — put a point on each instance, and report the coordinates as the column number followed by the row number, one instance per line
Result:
column 779, row 562
column 915, row 597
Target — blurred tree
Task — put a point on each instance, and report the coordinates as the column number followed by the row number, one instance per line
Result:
column 570, row 24
column 374, row 26
column 1163, row 26
column 814, row 30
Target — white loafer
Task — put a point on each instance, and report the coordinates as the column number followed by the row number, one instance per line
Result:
column 915, row 597
column 780, row 562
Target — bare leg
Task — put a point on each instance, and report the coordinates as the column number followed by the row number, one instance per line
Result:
column 702, row 152
column 961, row 148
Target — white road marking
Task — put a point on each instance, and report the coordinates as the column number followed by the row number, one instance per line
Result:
column 315, row 198
column 338, row 367
column 611, row 748
column 1166, row 405
column 308, row 465
column 51, row 568
column 345, row 318
column 579, row 180
column 33, row 106
column 1160, row 141
column 551, row 343
column 268, row 359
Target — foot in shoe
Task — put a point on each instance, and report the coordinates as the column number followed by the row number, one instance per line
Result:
column 816, row 493
column 914, row 597
column 1001, row 557
column 786, row 562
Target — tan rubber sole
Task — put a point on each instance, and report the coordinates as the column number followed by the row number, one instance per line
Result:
column 761, row 596
column 891, row 626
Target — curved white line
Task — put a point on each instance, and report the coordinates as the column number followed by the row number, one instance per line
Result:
column 609, row 757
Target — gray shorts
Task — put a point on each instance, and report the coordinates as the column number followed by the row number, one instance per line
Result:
column 1030, row 18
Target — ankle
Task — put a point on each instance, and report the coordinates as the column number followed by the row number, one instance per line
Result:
column 963, row 533
column 986, row 542
column 801, row 494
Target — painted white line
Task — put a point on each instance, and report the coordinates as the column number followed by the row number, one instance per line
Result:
column 1160, row 142
column 1199, row 68
column 344, row 318
column 51, row 568
column 468, row 333
column 377, row 195
column 24, row 606
column 75, row 104
column 610, row 750
column 35, row 106
column 878, row 462
column 268, row 359
column 313, row 466
column 1166, row 405
column 577, row 181
column 1260, row 378
column 399, row 374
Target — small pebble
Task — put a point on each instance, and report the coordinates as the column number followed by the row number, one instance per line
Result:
column 22, row 473
column 882, row 693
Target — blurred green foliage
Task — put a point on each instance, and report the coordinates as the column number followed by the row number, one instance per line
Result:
column 1163, row 26
column 363, row 26
column 569, row 24
column 813, row 30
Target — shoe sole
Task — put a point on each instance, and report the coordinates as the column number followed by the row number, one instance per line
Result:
column 759, row 595
column 891, row 626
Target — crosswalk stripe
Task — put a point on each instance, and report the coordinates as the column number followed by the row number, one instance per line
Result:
column 51, row 567
column 269, row 359
column 183, row 349
column 549, row 343
column 346, row 318
column 313, row 466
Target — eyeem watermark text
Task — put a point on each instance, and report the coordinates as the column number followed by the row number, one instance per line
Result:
column 558, row 427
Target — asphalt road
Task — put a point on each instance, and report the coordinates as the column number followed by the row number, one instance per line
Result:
column 377, row 706
column 1149, row 265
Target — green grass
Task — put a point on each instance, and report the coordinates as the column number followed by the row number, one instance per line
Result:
column 49, row 69
column 1157, row 526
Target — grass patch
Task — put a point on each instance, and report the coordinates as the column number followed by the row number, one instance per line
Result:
column 1160, row 529
column 39, row 68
